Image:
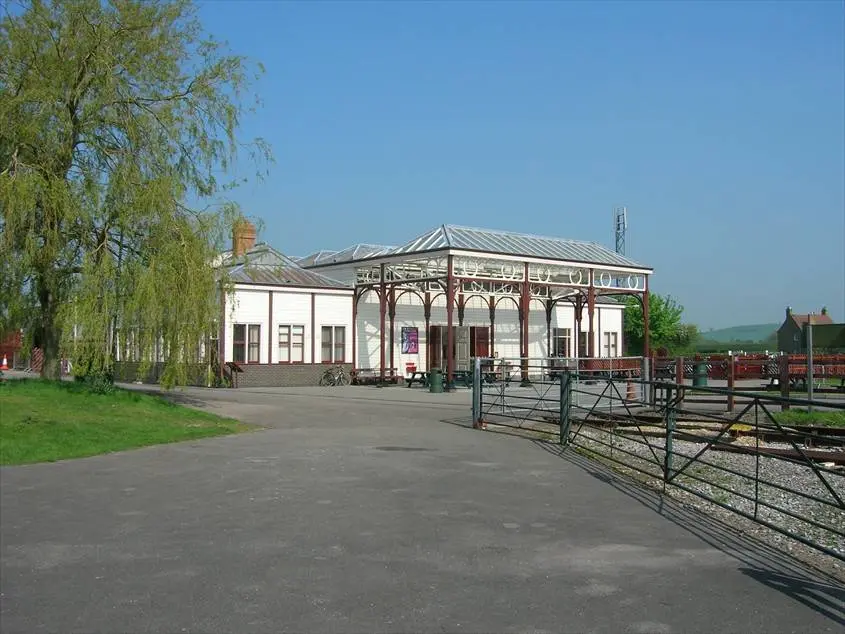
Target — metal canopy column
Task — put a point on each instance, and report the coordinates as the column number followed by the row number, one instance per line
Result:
column 576, row 340
column 491, row 304
column 427, row 312
column 450, row 335
column 525, row 301
column 391, row 307
column 646, row 326
column 591, row 309
column 382, row 309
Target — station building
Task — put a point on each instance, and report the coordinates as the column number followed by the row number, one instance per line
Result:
column 437, row 301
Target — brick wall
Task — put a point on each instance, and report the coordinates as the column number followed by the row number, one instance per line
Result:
column 253, row 375
column 279, row 375
column 127, row 371
column 786, row 337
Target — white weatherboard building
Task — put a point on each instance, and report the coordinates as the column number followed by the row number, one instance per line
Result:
column 455, row 293
column 281, row 324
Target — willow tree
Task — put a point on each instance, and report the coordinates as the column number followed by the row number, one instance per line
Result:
column 113, row 116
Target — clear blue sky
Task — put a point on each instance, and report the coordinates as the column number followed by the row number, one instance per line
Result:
column 720, row 125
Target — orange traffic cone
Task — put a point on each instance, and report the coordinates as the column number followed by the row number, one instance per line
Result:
column 631, row 396
column 5, row 365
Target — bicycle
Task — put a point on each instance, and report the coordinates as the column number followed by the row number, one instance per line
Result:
column 335, row 376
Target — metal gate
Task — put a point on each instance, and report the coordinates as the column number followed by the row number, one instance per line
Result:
column 529, row 393
column 789, row 477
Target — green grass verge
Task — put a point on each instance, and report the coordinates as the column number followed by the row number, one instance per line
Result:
column 42, row 421
column 826, row 418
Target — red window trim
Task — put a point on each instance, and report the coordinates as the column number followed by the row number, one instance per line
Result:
column 246, row 343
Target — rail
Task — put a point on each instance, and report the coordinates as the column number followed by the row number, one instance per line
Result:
column 750, row 461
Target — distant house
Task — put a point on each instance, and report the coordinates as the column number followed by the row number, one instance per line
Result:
column 791, row 337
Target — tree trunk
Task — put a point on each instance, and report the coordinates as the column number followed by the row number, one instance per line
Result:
column 114, row 318
column 49, row 335
column 51, row 369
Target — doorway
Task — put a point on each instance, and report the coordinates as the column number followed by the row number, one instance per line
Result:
column 469, row 342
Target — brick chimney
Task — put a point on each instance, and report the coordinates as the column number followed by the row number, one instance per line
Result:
column 243, row 237
column 788, row 312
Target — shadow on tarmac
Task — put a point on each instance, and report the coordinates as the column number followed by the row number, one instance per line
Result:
column 766, row 564
column 821, row 592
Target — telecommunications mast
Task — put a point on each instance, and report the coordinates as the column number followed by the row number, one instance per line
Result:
column 620, row 224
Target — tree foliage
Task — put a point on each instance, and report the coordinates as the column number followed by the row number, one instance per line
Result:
column 112, row 116
column 665, row 327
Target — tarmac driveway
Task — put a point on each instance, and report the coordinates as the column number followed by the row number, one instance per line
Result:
column 361, row 509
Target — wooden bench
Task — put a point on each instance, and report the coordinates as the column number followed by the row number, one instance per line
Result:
column 372, row 376
column 233, row 370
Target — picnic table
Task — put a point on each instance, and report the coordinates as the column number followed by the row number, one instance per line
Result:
column 417, row 376
column 463, row 377
column 424, row 378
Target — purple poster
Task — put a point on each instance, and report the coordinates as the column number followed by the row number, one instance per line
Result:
column 410, row 340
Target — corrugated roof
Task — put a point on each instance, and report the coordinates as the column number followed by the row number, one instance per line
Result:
column 261, row 253
column 282, row 276
column 314, row 258
column 509, row 243
column 264, row 265
column 350, row 254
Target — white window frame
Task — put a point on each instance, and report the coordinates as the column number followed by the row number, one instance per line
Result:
column 291, row 331
column 564, row 334
column 333, row 343
column 611, row 344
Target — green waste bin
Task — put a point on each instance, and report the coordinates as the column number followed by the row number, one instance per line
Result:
column 435, row 381
column 699, row 375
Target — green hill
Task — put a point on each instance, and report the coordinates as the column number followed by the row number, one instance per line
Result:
column 756, row 332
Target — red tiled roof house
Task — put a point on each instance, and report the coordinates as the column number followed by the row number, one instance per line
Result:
column 790, row 334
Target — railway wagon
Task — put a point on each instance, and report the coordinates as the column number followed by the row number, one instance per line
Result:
column 754, row 366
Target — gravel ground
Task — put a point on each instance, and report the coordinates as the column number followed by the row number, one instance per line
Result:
column 707, row 475
column 706, row 479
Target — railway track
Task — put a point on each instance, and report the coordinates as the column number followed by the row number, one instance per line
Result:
column 807, row 435
column 815, row 442
column 836, row 458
